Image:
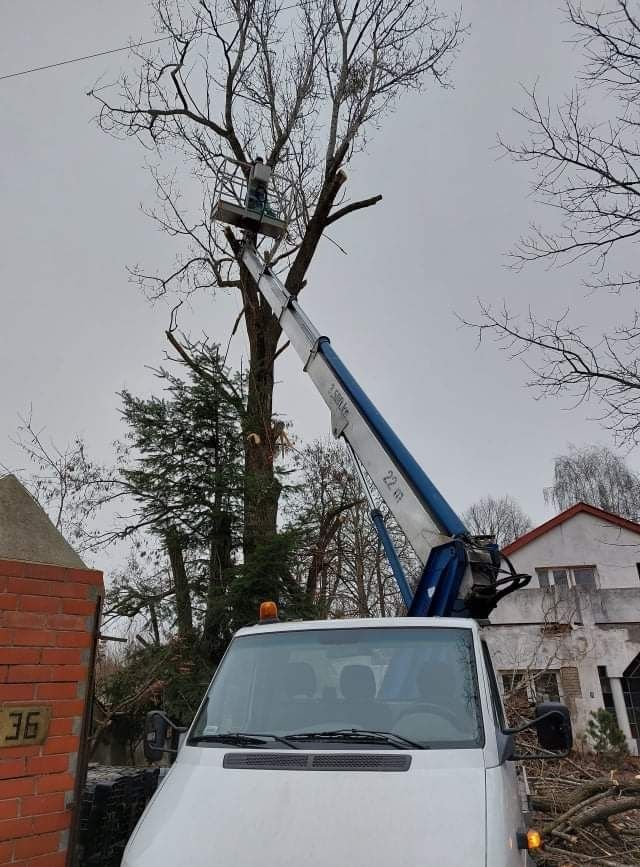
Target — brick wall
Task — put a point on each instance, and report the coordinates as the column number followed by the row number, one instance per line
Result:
column 47, row 622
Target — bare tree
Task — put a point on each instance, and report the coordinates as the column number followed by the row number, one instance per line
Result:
column 587, row 169
column 501, row 517
column 341, row 562
column 587, row 166
column 595, row 475
column 303, row 84
column 68, row 484
column 327, row 491
column 364, row 583
column 563, row 362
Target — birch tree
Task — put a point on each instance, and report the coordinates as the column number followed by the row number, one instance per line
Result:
column 598, row 476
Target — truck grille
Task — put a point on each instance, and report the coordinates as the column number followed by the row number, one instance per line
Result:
column 255, row 761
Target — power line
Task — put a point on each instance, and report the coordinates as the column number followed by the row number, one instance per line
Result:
column 111, row 51
column 86, row 57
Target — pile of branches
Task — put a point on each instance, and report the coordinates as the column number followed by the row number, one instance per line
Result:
column 586, row 812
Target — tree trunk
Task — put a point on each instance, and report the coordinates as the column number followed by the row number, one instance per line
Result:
column 329, row 592
column 217, row 630
column 261, row 487
column 359, row 569
column 153, row 619
column 329, row 526
column 184, row 614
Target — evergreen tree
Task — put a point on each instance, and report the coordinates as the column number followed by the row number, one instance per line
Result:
column 183, row 467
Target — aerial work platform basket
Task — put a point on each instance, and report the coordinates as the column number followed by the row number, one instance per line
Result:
column 241, row 198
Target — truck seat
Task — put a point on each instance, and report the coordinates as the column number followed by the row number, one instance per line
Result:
column 297, row 707
column 437, row 686
column 359, row 706
column 300, row 680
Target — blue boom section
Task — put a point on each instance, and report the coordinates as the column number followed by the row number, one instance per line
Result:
column 437, row 590
column 392, row 557
column 435, row 504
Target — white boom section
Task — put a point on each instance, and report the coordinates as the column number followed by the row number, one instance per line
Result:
column 346, row 418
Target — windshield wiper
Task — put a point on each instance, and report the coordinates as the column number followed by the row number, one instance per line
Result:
column 241, row 739
column 361, row 736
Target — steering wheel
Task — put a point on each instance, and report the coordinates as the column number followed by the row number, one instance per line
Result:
column 436, row 709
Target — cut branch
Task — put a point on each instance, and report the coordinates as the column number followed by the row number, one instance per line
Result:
column 354, row 206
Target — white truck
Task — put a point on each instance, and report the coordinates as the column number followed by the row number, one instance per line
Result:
column 360, row 743
column 355, row 743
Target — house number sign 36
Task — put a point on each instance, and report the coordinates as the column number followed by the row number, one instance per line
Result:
column 23, row 725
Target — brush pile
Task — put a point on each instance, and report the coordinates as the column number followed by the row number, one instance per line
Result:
column 587, row 810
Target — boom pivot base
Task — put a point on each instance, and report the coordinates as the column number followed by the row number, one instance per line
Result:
column 462, row 579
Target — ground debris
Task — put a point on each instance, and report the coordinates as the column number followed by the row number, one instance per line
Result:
column 587, row 809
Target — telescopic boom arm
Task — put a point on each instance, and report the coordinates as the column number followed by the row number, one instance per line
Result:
column 462, row 574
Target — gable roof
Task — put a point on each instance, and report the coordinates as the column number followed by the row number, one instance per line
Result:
column 521, row 541
column 26, row 533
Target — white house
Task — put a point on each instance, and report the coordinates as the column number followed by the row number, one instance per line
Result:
column 574, row 633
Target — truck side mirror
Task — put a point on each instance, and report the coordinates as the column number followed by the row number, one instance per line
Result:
column 553, row 725
column 156, row 730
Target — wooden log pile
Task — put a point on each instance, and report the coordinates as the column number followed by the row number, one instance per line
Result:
column 587, row 812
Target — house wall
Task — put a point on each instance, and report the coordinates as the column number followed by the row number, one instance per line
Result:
column 47, row 623
column 585, row 540
column 570, row 631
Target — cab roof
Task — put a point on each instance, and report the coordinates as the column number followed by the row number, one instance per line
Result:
column 362, row 623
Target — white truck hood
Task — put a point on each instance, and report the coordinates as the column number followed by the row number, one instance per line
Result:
column 205, row 815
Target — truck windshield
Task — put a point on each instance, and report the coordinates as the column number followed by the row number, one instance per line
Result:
column 418, row 683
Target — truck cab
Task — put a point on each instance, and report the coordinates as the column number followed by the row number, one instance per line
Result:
column 365, row 743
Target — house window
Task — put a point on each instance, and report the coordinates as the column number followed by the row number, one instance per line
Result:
column 560, row 577
column 543, row 577
column 516, row 694
column 567, row 576
column 631, row 692
column 607, row 695
column 530, row 686
column 546, row 686
column 584, row 576
column 514, row 682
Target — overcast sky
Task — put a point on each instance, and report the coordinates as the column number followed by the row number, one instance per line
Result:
column 75, row 331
